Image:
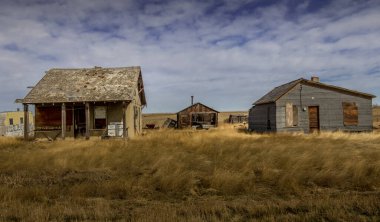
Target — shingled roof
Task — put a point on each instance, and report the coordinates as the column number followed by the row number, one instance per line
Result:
column 87, row 85
column 281, row 90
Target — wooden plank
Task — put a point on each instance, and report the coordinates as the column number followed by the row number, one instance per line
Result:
column 63, row 118
column 313, row 118
column 350, row 114
column 87, row 110
column 289, row 114
column 26, row 122
column 124, row 120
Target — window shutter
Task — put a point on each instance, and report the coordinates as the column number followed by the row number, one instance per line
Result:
column 289, row 114
column 350, row 114
column 295, row 115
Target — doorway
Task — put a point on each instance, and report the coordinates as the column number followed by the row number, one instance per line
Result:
column 313, row 119
column 79, row 121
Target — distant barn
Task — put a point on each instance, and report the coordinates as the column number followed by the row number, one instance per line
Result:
column 87, row 102
column 197, row 115
column 376, row 117
column 309, row 105
column 237, row 119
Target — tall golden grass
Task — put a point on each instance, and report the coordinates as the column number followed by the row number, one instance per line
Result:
column 215, row 175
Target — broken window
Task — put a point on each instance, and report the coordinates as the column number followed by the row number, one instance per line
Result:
column 100, row 114
column 21, row 120
column 10, row 121
column 291, row 115
column 350, row 114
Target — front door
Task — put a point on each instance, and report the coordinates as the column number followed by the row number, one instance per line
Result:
column 313, row 118
column 79, row 121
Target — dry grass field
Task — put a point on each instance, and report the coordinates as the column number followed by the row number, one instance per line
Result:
column 174, row 175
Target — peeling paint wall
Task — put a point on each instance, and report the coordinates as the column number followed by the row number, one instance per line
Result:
column 12, row 123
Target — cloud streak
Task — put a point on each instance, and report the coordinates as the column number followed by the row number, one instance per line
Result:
column 226, row 53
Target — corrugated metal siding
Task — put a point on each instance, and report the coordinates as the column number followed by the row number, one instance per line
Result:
column 330, row 109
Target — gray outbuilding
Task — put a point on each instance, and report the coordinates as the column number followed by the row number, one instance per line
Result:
column 309, row 105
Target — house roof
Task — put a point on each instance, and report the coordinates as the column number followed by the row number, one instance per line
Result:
column 198, row 103
column 281, row 90
column 87, row 85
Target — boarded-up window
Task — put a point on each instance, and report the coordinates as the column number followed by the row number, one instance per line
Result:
column 291, row 115
column 350, row 114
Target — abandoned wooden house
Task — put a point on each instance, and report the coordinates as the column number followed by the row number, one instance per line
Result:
column 197, row 115
column 87, row 102
column 309, row 105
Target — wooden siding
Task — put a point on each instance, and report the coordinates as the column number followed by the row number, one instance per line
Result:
column 260, row 116
column 376, row 116
column 330, row 109
column 48, row 118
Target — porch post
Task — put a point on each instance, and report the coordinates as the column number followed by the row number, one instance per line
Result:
column 87, row 110
column 124, row 121
column 63, row 118
column 26, row 122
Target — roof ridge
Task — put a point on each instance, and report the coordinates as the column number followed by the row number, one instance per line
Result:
column 98, row 67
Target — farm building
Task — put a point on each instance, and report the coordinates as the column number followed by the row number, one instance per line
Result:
column 309, row 105
column 12, row 123
column 376, row 117
column 197, row 115
column 88, row 102
column 237, row 119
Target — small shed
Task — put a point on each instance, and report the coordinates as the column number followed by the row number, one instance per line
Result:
column 309, row 105
column 87, row 102
column 197, row 115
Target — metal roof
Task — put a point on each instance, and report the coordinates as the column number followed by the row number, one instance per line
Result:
column 281, row 90
column 87, row 85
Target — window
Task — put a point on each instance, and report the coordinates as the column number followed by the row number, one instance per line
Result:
column 295, row 115
column 350, row 114
column 11, row 121
column 21, row 120
column 291, row 115
column 100, row 117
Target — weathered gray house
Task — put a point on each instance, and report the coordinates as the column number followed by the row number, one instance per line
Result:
column 197, row 115
column 309, row 105
column 88, row 102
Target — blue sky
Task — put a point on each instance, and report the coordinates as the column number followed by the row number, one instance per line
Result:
column 225, row 53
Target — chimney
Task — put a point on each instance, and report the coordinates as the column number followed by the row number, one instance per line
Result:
column 192, row 100
column 18, row 109
column 315, row 78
